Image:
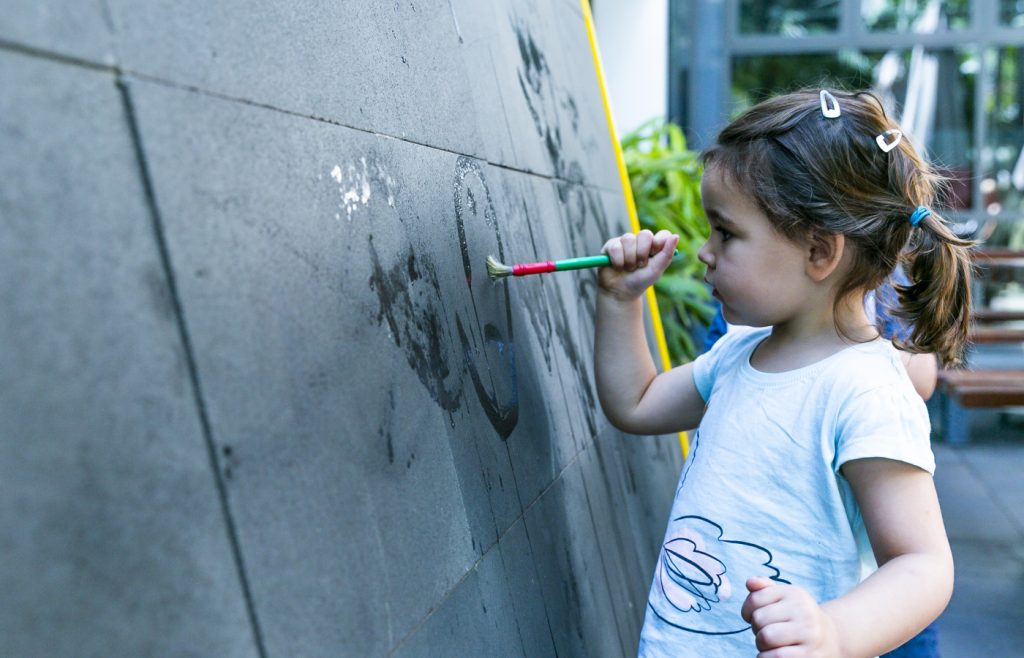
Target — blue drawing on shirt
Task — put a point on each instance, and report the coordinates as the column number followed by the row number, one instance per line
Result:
column 694, row 445
column 700, row 579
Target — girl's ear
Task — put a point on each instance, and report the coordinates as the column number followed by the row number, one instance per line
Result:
column 824, row 253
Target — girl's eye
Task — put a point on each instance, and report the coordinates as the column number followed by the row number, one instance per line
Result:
column 726, row 235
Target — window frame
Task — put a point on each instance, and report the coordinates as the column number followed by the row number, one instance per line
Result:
column 699, row 88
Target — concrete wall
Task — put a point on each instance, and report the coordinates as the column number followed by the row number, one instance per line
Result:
column 257, row 395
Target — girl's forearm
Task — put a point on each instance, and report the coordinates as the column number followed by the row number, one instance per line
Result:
column 623, row 366
column 893, row 604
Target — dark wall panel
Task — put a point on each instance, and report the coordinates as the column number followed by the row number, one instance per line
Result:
column 110, row 525
column 270, row 326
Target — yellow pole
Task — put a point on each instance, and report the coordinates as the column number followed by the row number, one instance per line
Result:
column 627, row 191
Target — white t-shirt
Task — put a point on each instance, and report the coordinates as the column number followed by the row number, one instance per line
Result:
column 761, row 493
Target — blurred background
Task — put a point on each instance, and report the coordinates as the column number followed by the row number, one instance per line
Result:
column 951, row 71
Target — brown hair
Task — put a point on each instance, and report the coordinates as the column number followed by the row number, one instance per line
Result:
column 813, row 175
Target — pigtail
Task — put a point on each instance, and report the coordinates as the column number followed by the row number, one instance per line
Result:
column 937, row 302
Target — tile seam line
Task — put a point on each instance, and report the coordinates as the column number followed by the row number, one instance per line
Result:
column 533, row 563
column 334, row 122
column 119, row 71
column 604, row 566
column 451, row 590
column 61, row 58
column 184, row 336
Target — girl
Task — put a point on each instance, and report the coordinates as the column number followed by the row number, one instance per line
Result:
column 805, row 522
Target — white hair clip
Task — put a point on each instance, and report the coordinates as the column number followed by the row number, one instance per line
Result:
column 889, row 140
column 829, row 105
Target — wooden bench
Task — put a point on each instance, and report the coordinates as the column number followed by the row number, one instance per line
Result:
column 998, row 265
column 988, row 388
column 987, row 335
column 999, row 256
column 988, row 315
column 966, row 389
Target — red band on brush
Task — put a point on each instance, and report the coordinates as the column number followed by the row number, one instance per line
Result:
column 533, row 268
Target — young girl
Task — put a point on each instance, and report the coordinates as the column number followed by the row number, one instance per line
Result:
column 805, row 522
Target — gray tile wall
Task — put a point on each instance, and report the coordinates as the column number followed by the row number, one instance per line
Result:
column 257, row 393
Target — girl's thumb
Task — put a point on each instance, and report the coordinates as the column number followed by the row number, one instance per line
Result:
column 757, row 584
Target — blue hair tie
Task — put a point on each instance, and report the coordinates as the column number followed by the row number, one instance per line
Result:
column 918, row 215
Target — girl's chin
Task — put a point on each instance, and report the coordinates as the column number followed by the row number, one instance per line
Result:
column 732, row 317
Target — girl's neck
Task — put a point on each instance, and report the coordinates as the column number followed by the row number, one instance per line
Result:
column 811, row 337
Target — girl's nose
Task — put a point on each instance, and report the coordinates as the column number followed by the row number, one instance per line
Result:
column 704, row 255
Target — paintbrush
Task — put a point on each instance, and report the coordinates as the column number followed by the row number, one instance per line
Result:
column 498, row 270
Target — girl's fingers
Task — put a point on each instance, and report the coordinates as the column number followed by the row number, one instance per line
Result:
column 644, row 245
column 629, row 251
column 758, row 583
column 761, row 595
column 614, row 250
column 784, row 652
column 773, row 613
column 659, row 239
column 775, row 636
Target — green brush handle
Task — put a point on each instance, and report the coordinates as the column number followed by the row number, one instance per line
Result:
column 590, row 261
column 543, row 267
column 582, row 263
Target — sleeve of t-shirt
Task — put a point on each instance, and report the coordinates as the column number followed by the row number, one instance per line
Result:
column 888, row 422
column 707, row 366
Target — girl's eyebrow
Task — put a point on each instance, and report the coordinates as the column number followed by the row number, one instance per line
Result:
column 719, row 218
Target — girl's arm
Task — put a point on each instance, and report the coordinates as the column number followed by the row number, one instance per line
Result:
column 911, row 587
column 634, row 396
column 914, row 580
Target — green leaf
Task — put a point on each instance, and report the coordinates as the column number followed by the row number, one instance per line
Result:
column 665, row 177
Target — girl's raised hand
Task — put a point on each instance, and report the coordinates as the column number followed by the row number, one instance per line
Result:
column 787, row 622
column 637, row 260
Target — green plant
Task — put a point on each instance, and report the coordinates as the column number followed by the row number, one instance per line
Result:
column 665, row 177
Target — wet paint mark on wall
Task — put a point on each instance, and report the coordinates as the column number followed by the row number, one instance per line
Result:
column 543, row 100
column 409, row 297
column 486, row 336
column 450, row 333
column 548, row 315
column 550, row 310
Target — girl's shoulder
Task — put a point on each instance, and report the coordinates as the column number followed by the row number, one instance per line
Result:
column 873, row 370
column 735, row 345
column 729, row 354
column 877, row 412
column 873, row 362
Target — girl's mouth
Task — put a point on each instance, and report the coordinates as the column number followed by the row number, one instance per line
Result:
column 714, row 290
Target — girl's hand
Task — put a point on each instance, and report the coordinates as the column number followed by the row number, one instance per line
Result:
column 787, row 622
column 636, row 262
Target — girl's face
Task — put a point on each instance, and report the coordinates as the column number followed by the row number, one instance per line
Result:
column 758, row 275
